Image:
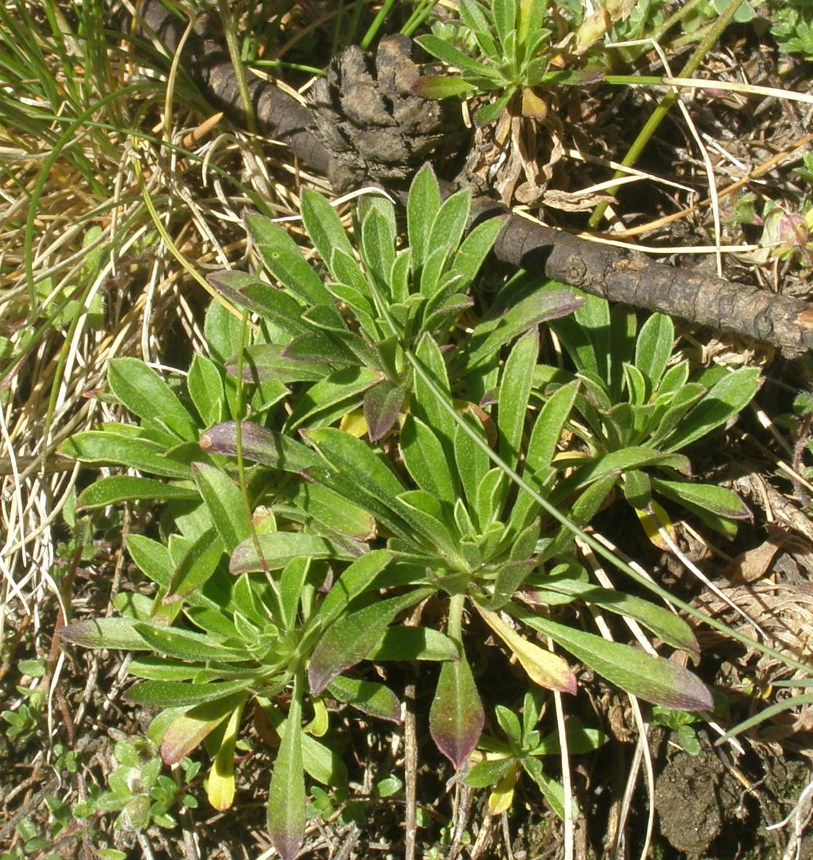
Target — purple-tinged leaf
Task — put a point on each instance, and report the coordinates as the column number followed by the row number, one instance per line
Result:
column 650, row 678
column 456, row 718
column 351, row 639
column 260, row 446
column 286, row 797
column 382, row 403
column 189, row 730
column 104, row 633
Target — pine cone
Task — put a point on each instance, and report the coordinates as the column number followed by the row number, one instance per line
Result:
column 370, row 120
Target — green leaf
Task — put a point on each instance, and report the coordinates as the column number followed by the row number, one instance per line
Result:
column 650, row 678
column 378, row 246
column 475, row 248
column 286, row 797
column 422, row 206
column 226, row 504
column 126, row 488
column 221, row 329
column 276, row 549
column 291, row 587
column 186, row 644
column 330, row 513
column 456, row 717
column 370, row 697
column 354, row 457
column 617, row 463
column 448, row 54
column 254, row 294
column 355, row 580
column 423, row 511
column 318, row 347
column 267, row 361
column 426, row 461
column 548, row 428
column 703, row 497
column 196, row 566
column 653, row 348
column 324, row 226
column 351, row 639
column 425, row 403
column 493, row 111
column 101, row 447
column 170, row 694
column 335, row 395
column 205, row 386
column 663, row 623
column 284, row 261
column 449, row 223
column 119, row 633
column 724, row 400
column 515, row 390
column 550, row 788
column 488, row 772
column 443, row 87
column 512, row 315
column 471, row 460
column 505, row 21
column 145, row 394
column 415, row 643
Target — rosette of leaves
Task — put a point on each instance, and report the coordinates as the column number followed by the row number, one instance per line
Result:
column 514, row 40
column 501, row 761
column 465, row 532
column 636, row 409
column 330, row 338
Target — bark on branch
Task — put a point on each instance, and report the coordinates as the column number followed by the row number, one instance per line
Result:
column 785, row 322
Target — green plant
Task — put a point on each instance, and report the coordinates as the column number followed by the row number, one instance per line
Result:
column 792, row 26
column 639, row 408
column 138, row 790
column 515, row 40
column 346, row 339
column 34, row 840
column 24, row 720
column 290, row 547
column 521, row 750
column 682, row 725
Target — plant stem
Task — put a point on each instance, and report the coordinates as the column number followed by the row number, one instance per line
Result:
column 454, row 625
column 658, row 115
column 239, row 69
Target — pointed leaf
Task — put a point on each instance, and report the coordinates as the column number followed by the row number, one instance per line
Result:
column 145, row 394
column 286, row 797
column 105, row 633
column 651, row 678
column 284, row 261
column 127, row 488
column 368, row 696
column 99, row 446
column 226, row 504
column 351, row 639
column 456, row 717
column 545, row 668
column 276, row 549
